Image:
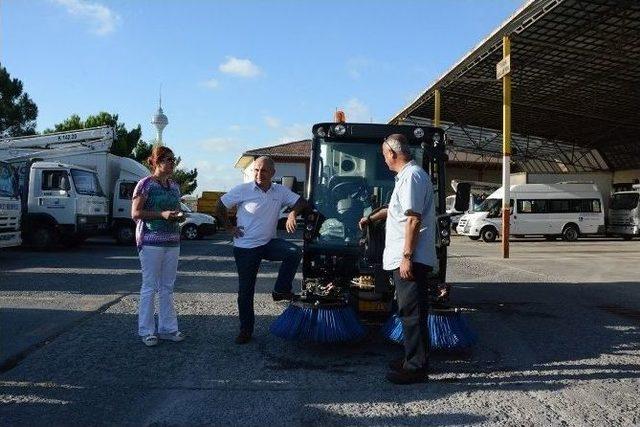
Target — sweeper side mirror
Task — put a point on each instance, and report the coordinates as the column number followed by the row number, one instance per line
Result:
column 463, row 191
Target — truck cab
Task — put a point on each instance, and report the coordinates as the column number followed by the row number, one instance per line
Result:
column 63, row 203
column 10, row 209
column 624, row 214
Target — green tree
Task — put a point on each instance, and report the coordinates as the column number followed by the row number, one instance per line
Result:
column 187, row 179
column 18, row 112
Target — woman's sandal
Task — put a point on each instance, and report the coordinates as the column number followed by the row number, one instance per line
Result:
column 175, row 336
column 150, row 340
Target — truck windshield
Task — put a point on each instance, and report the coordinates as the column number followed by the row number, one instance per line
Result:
column 351, row 180
column 86, row 183
column 625, row 201
column 7, row 181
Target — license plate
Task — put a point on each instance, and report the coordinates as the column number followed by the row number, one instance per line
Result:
column 376, row 306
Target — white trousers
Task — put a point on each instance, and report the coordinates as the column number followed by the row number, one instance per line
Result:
column 159, row 267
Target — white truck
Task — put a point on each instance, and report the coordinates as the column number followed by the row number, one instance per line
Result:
column 624, row 214
column 73, row 186
column 10, row 209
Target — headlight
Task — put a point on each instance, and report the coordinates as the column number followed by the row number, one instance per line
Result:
column 444, row 232
column 436, row 138
column 321, row 132
column 82, row 220
column 418, row 133
column 339, row 129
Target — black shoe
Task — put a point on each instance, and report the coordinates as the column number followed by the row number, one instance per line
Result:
column 282, row 296
column 405, row 376
column 397, row 364
column 243, row 337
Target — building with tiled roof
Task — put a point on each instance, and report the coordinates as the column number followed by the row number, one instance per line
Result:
column 291, row 159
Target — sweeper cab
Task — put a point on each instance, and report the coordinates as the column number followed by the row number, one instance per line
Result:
column 342, row 264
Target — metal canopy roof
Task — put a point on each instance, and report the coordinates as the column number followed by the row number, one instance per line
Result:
column 575, row 67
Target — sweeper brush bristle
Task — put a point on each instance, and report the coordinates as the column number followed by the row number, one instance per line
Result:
column 329, row 324
column 448, row 331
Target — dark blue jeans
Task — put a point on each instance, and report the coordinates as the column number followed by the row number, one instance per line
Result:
column 248, row 262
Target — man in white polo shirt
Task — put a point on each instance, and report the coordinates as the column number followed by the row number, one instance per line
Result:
column 409, row 254
column 254, row 238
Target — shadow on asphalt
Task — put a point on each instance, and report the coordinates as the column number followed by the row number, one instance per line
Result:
column 527, row 343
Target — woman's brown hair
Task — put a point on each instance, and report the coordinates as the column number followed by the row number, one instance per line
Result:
column 158, row 153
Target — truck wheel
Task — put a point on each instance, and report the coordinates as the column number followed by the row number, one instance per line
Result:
column 42, row 238
column 474, row 237
column 125, row 235
column 570, row 233
column 190, row 232
column 489, row 234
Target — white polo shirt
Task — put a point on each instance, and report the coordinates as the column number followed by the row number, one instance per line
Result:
column 258, row 211
column 413, row 191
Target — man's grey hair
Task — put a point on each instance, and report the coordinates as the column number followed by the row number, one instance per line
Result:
column 268, row 160
column 399, row 144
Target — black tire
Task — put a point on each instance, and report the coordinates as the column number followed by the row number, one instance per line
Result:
column 125, row 235
column 42, row 238
column 474, row 237
column 489, row 234
column 190, row 232
column 570, row 233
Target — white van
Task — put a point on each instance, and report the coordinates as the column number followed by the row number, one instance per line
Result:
column 566, row 210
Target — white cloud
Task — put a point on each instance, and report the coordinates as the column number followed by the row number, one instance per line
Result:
column 356, row 66
column 294, row 132
column 240, row 67
column 356, row 111
column 235, row 128
column 103, row 20
column 211, row 84
column 223, row 145
column 216, row 176
column 272, row 122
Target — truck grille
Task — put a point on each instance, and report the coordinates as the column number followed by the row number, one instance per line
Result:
column 9, row 223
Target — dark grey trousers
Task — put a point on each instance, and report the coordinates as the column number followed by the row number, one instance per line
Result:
column 413, row 309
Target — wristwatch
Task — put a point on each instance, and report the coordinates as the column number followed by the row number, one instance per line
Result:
column 407, row 255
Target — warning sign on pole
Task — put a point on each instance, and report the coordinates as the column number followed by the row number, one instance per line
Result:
column 503, row 67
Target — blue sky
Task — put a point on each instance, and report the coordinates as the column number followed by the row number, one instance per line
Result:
column 237, row 74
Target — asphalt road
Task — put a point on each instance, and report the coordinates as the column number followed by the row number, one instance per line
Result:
column 558, row 327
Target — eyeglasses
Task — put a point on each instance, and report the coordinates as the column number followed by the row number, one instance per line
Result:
column 389, row 146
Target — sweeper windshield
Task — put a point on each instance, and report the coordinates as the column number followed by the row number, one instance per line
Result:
column 351, row 180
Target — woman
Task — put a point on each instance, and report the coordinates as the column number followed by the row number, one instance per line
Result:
column 155, row 208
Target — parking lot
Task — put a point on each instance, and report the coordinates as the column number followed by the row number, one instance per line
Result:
column 558, row 327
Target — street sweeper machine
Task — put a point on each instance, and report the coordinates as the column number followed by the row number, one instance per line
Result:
column 344, row 286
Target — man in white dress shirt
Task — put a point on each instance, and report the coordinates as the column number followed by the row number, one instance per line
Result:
column 254, row 237
column 409, row 254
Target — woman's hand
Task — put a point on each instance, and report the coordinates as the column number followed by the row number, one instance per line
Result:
column 169, row 215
